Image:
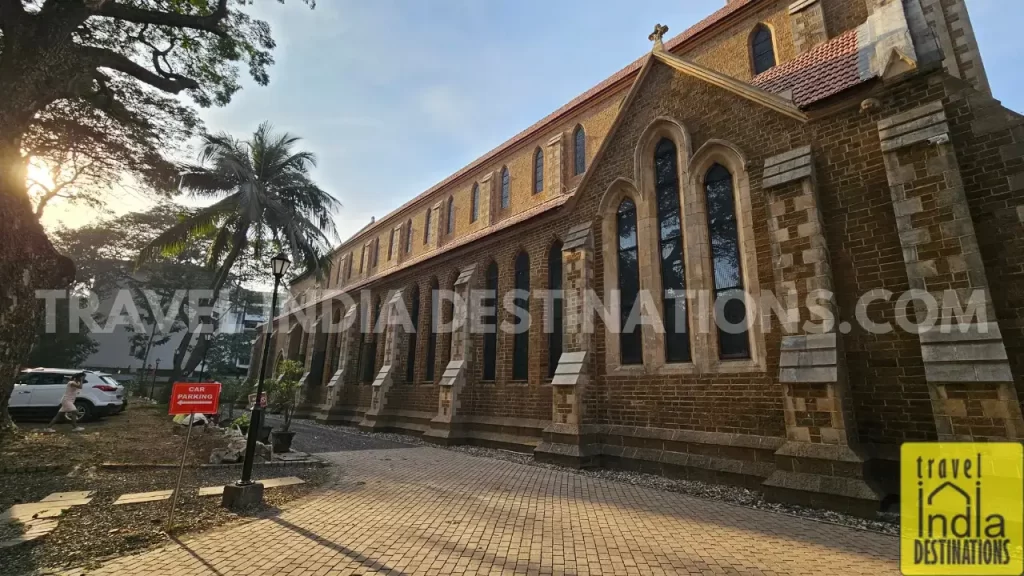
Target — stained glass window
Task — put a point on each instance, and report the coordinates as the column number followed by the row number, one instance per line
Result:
column 490, row 322
column 630, row 341
column 579, row 138
column 521, row 341
column 538, row 171
column 505, row 194
column 670, row 236
column 762, row 49
column 723, row 233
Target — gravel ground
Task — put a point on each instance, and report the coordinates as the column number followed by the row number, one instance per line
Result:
column 335, row 438
column 313, row 438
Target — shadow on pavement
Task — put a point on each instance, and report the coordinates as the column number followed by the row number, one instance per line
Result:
column 364, row 560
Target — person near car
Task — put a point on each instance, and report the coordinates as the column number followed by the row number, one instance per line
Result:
column 67, row 403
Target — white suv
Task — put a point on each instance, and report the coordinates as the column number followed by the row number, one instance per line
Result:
column 39, row 391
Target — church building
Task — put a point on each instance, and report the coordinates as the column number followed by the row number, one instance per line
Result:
column 777, row 147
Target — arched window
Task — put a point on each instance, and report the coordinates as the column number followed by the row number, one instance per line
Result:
column 555, row 288
column 579, row 150
column 362, row 259
column 375, row 253
column 490, row 321
column 432, row 334
column 673, row 274
column 474, row 208
column 426, row 227
column 762, row 49
column 630, row 341
column 505, row 194
column 521, row 340
column 391, row 244
column 410, row 364
column 348, row 267
column 723, row 232
column 538, row 171
column 450, row 224
column 336, row 350
column 408, row 236
column 369, row 349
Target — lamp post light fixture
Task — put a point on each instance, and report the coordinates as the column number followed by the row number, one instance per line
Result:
column 245, row 491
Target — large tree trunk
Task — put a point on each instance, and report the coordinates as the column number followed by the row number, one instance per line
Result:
column 28, row 262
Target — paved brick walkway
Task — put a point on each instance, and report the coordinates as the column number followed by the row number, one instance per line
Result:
column 418, row 510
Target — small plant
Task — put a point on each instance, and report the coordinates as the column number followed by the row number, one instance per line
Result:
column 284, row 391
column 242, row 422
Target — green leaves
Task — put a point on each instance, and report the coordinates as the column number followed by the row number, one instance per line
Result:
column 265, row 192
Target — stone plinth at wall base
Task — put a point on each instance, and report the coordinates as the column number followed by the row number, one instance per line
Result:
column 725, row 458
column 566, row 445
column 336, row 414
column 372, row 422
column 236, row 497
column 822, row 476
column 305, row 410
column 444, row 433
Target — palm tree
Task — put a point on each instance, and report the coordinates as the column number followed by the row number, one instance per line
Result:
column 266, row 201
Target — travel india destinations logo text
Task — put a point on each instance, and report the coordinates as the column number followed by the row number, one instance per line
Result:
column 962, row 508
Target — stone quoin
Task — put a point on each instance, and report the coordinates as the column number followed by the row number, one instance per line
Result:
column 774, row 147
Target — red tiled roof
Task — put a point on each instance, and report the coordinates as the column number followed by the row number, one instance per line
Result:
column 823, row 71
column 633, row 68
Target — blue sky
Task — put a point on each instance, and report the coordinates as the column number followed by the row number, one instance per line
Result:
column 394, row 95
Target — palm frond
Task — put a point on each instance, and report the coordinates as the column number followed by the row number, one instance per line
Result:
column 175, row 238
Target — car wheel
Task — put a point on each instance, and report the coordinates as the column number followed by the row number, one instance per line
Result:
column 86, row 411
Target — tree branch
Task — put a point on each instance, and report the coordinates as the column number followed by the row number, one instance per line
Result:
column 209, row 23
column 103, row 58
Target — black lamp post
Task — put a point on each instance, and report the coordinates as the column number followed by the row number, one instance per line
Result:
column 280, row 264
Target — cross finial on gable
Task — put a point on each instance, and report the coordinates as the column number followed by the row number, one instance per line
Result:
column 657, row 35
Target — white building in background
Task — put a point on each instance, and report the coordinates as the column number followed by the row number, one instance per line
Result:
column 115, row 353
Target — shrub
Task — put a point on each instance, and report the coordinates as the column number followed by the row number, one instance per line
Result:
column 284, row 389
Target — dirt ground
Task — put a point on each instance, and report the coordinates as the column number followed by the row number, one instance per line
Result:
column 142, row 435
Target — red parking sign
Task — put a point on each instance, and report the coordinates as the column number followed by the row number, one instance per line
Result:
column 195, row 398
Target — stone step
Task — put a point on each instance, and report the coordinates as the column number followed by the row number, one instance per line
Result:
column 33, row 529
column 141, row 497
column 83, row 496
column 268, row 483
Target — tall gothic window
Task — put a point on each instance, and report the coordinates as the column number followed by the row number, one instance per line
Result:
column 505, row 193
column 375, row 253
column 723, row 232
column 555, row 287
column 521, row 341
column 450, row 224
column 432, row 334
column 762, row 50
column 474, row 208
column 630, row 342
column 408, row 236
column 369, row 349
column 579, row 150
column 426, row 227
column 391, row 244
column 490, row 321
column 348, row 267
column 336, row 351
column 673, row 274
column 538, row 171
column 362, row 259
column 410, row 364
